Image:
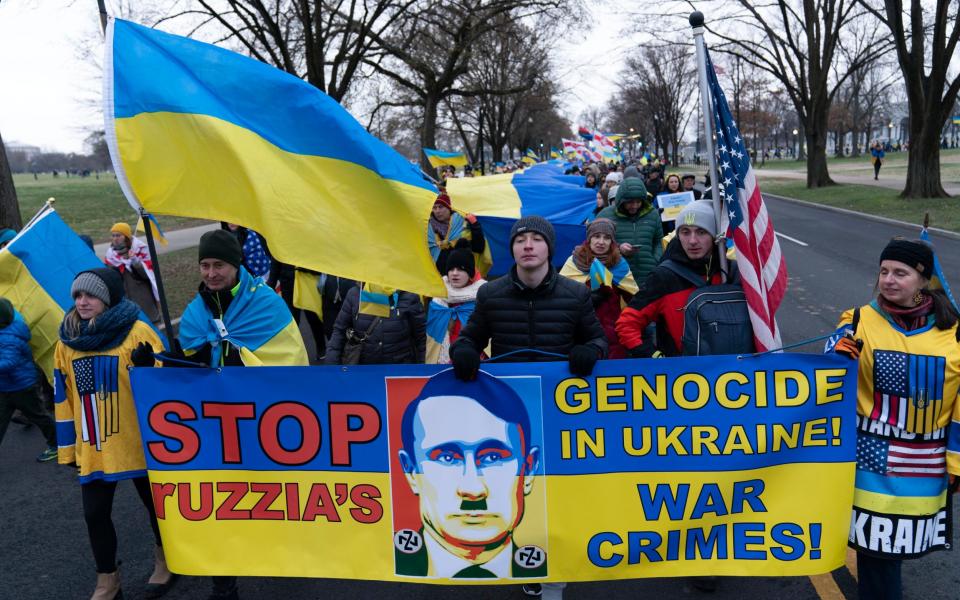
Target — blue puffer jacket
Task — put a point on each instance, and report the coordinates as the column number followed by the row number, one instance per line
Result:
column 17, row 371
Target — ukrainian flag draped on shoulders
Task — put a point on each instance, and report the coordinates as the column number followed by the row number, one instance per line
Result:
column 196, row 130
column 257, row 323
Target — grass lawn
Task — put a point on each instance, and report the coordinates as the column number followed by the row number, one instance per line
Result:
column 893, row 163
column 944, row 212
column 88, row 205
column 181, row 277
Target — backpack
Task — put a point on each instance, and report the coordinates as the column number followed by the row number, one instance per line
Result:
column 715, row 317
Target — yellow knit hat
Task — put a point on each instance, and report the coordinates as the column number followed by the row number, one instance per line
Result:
column 122, row 228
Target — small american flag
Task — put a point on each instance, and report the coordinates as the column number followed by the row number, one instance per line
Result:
column 901, row 458
column 96, row 378
column 908, row 389
column 763, row 270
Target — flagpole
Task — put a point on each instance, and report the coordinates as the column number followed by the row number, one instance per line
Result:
column 706, row 104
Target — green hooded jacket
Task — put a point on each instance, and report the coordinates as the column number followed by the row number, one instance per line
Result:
column 642, row 230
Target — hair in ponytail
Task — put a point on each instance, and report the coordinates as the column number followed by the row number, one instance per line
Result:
column 944, row 314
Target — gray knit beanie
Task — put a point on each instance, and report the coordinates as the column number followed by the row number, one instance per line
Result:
column 537, row 225
column 699, row 213
column 103, row 284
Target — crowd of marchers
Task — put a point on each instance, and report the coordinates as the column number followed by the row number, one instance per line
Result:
column 636, row 287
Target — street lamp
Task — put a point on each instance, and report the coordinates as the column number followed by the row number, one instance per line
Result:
column 890, row 135
column 796, row 142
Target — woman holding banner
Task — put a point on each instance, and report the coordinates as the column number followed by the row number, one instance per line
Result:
column 908, row 347
column 97, row 426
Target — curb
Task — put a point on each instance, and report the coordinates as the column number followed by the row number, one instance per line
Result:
column 942, row 232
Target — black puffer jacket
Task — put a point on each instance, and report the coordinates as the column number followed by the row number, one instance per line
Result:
column 401, row 338
column 553, row 317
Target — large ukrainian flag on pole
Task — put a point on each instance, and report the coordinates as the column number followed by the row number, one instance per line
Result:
column 196, row 130
column 36, row 271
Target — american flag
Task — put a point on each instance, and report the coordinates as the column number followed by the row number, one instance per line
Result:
column 908, row 389
column 763, row 270
column 899, row 458
column 96, row 378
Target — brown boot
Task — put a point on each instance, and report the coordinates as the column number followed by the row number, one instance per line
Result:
column 161, row 580
column 108, row 587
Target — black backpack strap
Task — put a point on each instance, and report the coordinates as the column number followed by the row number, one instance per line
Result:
column 684, row 272
column 856, row 321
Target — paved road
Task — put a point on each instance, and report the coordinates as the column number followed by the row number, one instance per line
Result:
column 177, row 239
column 45, row 554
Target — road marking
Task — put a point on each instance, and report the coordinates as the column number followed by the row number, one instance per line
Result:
column 827, row 588
column 852, row 562
column 792, row 239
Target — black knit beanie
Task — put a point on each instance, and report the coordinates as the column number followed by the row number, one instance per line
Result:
column 103, row 283
column 221, row 245
column 912, row 253
column 6, row 312
column 461, row 258
column 535, row 224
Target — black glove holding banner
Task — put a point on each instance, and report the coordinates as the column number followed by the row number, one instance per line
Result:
column 466, row 361
column 582, row 360
column 142, row 355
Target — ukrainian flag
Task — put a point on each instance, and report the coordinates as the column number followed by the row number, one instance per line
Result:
column 530, row 157
column 554, row 153
column 195, row 130
column 439, row 158
column 543, row 189
column 36, row 271
column 937, row 278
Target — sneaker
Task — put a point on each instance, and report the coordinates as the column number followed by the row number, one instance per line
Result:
column 47, row 455
column 532, row 589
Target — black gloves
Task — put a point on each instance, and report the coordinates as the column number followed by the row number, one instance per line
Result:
column 582, row 360
column 466, row 361
column 597, row 296
column 142, row 355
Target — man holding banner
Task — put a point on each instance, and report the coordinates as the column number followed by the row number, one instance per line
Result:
column 560, row 321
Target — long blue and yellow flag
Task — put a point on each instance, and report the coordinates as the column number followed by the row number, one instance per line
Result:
column 36, row 271
column 195, row 130
column 543, row 189
column 439, row 158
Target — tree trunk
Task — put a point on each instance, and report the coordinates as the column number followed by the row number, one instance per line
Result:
column 428, row 132
column 816, row 134
column 923, row 161
column 9, row 207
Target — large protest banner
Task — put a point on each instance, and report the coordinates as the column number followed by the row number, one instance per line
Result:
column 647, row 468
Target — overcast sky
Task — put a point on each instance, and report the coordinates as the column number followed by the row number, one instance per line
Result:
column 49, row 94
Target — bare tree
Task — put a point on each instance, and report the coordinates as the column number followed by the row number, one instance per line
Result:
column 9, row 207
column 797, row 43
column 325, row 42
column 925, row 36
column 661, row 83
column 430, row 48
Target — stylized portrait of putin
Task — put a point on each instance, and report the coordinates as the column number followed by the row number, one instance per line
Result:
column 467, row 455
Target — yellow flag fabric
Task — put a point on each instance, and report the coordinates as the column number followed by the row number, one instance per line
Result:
column 195, row 130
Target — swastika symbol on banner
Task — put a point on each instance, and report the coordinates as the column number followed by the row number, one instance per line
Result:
column 407, row 541
column 529, row 557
